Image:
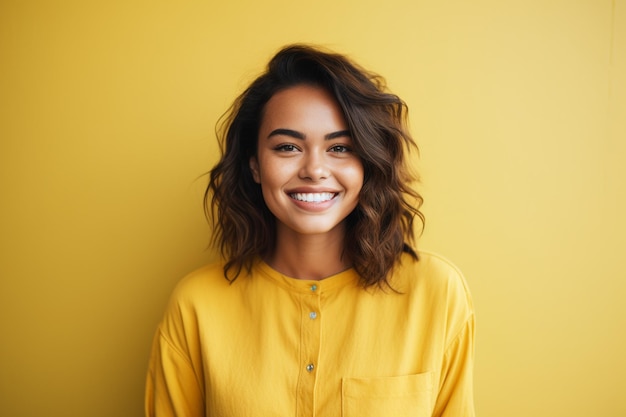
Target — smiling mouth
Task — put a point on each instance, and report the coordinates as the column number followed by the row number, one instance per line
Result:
column 313, row 197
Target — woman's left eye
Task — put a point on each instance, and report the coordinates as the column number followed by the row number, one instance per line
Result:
column 340, row 149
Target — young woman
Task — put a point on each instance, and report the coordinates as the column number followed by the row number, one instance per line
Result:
column 320, row 306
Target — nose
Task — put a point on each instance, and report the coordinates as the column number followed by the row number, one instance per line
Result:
column 314, row 167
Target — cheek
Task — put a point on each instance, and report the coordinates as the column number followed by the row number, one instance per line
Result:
column 356, row 175
column 273, row 174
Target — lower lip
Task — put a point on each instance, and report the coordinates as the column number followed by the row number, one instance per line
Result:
column 314, row 206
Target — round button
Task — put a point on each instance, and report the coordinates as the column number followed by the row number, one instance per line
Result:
column 310, row 367
column 312, row 315
column 313, row 287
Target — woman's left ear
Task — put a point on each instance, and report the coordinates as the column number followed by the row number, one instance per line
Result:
column 254, row 168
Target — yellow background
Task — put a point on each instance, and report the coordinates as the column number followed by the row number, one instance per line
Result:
column 107, row 112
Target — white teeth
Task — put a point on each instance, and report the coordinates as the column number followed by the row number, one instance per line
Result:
column 312, row 197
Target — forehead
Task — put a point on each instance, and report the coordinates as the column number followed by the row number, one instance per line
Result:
column 303, row 106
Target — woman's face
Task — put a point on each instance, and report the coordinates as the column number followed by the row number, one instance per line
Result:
column 309, row 175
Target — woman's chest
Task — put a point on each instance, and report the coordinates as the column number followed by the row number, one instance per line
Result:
column 320, row 354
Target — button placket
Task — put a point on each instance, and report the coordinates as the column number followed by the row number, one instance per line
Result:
column 310, row 338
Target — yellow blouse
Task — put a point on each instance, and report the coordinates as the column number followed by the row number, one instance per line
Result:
column 270, row 345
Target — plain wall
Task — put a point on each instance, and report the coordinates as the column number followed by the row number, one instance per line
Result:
column 107, row 115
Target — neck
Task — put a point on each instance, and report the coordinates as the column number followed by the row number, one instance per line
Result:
column 312, row 257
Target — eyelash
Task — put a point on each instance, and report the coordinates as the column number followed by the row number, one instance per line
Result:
column 287, row 147
column 343, row 148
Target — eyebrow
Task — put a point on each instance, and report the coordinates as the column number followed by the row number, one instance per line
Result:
column 299, row 135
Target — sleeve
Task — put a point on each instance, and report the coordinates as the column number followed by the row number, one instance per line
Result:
column 172, row 386
column 456, row 393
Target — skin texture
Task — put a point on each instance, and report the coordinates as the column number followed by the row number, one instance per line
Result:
column 304, row 147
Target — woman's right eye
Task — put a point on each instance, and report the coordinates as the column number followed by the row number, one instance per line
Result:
column 286, row 147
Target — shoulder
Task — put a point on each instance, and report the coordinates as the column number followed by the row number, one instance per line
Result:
column 198, row 288
column 198, row 298
column 430, row 269
column 434, row 269
column 438, row 286
column 207, row 279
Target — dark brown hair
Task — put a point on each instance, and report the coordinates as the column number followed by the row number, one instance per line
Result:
column 380, row 228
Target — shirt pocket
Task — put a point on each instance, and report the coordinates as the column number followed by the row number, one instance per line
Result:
column 398, row 396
